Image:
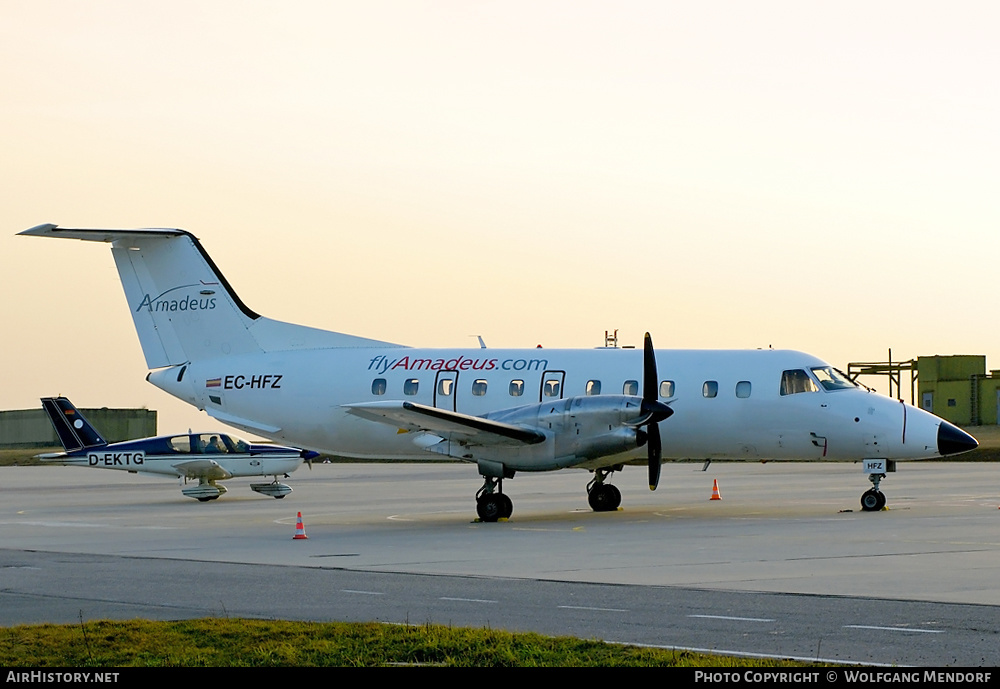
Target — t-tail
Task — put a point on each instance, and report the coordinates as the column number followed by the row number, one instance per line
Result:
column 74, row 431
column 183, row 308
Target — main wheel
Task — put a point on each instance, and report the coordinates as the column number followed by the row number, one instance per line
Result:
column 872, row 500
column 604, row 497
column 490, row 507
column 616, row 497
column 507, row 507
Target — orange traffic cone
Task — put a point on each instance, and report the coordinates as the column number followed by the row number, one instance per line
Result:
column 300, row 529
column 715, row 489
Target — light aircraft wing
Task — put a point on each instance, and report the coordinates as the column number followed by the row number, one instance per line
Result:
column 202, row 469
column 410, row 416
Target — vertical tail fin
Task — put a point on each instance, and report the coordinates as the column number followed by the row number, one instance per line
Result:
column 74, row 431
column 183, row 308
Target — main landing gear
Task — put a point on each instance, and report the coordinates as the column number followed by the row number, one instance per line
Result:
column 491, row 503
column 275, row 489
column 204, row 491
column 603, row 497
column 873, row 500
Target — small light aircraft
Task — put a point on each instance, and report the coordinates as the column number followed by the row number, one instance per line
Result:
column 207, row 457
column 505, row 411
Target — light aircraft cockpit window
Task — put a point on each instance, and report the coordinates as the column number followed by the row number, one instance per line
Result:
column 710, row 388
column 180, row 443
column 479, row 388
column 796, row 381
column 832, row 379
column 667, row 388
column 212, row 444
column 378, row 386
column 516, row 388
column 410, row 386
column 239, row 444
column 444, row 386
column 550, row 388
column 631, row 387
column 743, row 389
column 593, row 387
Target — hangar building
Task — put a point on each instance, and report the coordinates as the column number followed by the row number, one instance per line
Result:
column 28, row 428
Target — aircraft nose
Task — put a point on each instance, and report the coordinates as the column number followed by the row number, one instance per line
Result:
column 951, row 440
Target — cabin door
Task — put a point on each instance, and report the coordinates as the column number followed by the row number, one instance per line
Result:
column 445, row 389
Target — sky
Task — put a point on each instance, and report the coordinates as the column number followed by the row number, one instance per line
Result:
column 812, row 176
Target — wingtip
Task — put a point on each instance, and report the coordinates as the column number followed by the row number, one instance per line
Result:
column 39, row 230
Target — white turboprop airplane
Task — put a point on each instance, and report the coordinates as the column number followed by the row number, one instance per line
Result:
column 504, row 410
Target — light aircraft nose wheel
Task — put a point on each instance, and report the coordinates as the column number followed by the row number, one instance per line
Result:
column 872, row 500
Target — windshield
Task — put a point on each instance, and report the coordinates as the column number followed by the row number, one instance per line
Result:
column 832, row 379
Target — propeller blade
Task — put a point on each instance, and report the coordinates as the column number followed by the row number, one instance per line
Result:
column 649, row 382
column 655, row 454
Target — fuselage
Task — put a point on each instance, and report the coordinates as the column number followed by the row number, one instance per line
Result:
column 187, row 455
column 727, row 404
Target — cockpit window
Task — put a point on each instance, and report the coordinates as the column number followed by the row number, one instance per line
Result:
column 832, row 379
column 796, row 381
column 211, row 443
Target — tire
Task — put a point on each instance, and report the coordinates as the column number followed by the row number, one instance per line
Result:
column 489, row 508
column 507, row 507
column 872, row 501
column 604, row 498
column 616, row 498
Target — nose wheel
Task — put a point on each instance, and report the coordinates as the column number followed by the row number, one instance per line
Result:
column 873, row 500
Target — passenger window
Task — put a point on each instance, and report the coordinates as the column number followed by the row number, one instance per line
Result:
column 794, row 382
column 550, row 388
column 710, row 388
column 667, row 388
column 743, row 389
column 593, row 387
column 410, row 386
column 479, row 388
column 378, row 386
column 516, row 388
column 631, row 387
column 444, row 386
column 180, row 443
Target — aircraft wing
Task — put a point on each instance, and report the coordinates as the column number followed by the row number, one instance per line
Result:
column 202, row 468
column 410, row 416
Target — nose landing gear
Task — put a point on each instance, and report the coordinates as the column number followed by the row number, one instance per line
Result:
column 873, row 500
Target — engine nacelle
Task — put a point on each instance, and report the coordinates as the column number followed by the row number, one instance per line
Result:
column 577, row 429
